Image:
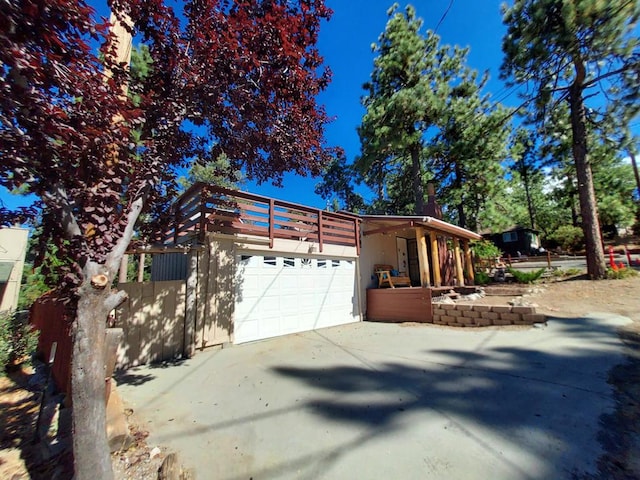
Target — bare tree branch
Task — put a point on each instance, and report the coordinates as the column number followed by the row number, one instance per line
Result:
column 58, row 198
column 114, row 257
column 611, row 74
column 115, row 299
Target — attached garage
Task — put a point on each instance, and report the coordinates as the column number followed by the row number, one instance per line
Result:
column 256, row 267
column 279, row 295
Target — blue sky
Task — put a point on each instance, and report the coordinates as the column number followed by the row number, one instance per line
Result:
column 345, row 42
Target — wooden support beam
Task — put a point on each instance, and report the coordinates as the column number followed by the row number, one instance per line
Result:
column 122, row 274
column 423, row 257
column 468, row 262
column 141, row 267
column 435, row 259
column 191, row 307
column 272, row 215
column 320, row 230
column 458, row 259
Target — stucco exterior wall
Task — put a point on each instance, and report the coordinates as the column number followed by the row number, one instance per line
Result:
column 375, row 249
column 13, row 248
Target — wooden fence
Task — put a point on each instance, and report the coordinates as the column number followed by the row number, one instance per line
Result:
column 54, row 320
column 152, row 319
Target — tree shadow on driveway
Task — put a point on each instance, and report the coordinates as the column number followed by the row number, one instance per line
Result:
column 545, row 400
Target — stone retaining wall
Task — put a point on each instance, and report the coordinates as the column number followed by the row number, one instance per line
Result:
column 462, row 315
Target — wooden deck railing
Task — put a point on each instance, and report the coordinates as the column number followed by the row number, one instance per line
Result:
column 204, row 208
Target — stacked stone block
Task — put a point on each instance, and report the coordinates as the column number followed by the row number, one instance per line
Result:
column 463, row 315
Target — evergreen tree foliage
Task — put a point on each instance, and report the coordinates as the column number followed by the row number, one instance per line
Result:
column 426, row 119
column 406, row 93
column 569, row 51
column 337, row 186
column 468, row 150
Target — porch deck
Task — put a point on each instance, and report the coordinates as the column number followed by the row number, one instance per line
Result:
column 413, row 304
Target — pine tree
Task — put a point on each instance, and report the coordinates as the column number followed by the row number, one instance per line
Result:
column 468, row 149
column 405, row 96
column 566, row 48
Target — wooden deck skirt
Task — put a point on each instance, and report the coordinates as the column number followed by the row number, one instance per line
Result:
column 399, row 305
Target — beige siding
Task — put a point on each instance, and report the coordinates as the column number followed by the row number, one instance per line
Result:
column 376, row 249
column 215, row 299
column 13, row 248
column 153, row 322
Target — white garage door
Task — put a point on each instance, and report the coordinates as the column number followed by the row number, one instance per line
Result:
column 281, row 295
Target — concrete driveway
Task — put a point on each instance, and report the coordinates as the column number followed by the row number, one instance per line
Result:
column 383, row 401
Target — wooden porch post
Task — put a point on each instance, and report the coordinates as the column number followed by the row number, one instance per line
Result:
column 141, row 267
column 467, row 261
column 423, row 258
column 122, row 273
column 435, row 259
column 458, row 259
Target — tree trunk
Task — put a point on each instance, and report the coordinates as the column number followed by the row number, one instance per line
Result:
column 635, row 170
column 416, row 178
column 596, row 266
column 462, row 217
column 90, row 446
column 525, row 179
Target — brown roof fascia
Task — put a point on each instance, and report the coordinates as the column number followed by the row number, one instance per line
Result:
column 429, row 223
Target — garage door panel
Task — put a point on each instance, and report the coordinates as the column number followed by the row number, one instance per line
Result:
column 281, row 295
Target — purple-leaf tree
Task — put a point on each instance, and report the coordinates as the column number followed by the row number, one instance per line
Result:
column 98, row 144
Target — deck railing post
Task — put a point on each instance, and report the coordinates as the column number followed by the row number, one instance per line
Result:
column 202, row 225
column 320, row 239
column 271, row 221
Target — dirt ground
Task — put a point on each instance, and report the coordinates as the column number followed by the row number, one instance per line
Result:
column 574, row 297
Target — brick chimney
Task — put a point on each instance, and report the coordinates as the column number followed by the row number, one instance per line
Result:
column 432, row 209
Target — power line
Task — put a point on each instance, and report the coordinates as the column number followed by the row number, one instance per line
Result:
column 444, row 15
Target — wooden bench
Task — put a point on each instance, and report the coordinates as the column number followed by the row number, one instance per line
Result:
column 385, row 279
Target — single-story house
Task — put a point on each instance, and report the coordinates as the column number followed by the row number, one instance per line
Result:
column 256, row 267
column 517, row 241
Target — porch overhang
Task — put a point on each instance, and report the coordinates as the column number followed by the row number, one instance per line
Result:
column 380, row 224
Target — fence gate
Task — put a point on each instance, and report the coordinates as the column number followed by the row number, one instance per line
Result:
column 152, row 319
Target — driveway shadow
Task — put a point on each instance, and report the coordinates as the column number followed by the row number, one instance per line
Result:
column 533, row 397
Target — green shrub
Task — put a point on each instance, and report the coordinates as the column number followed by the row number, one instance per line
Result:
column 620, row 273
column 485, row 250
column 18, row 340
column 481, row 278
column 526, row 277
column 569, row 238
column 569, row 272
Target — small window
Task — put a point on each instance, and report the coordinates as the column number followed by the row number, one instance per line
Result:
column 271, row 261
column 305, row 263
column 510, row 237
column 335, row 263
column 348, row 264
column 289, row 262
column 322, row 264
column 245, row 258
